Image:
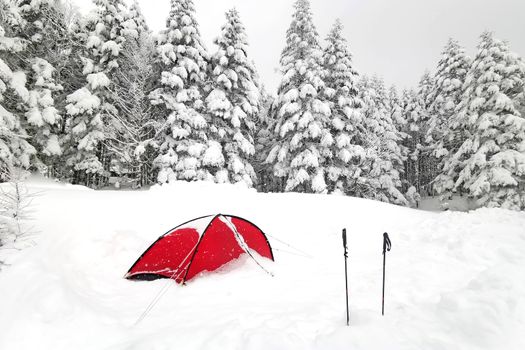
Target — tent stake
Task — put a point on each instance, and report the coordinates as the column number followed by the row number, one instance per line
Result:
column 346, row 276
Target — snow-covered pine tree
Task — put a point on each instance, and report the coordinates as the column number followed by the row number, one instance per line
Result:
column 233, row 103
column 92, row 108
column 446, row 96
column 133, row 142
column 303, row 148
column 15, row 151
column 390, row 168
column 182, row 59
column 264, row 138
column 491, row 161
column 413, row 114
column 426, row 162
column 69, row 67
column 444, row 137
column 46, row 34
column 136, row 22
column 348, row 154
column 418, row 164
column 396, row 107
column 385, row 158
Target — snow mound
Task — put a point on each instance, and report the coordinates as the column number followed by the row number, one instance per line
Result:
column 454, row 280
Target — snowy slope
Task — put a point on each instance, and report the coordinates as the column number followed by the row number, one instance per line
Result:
column 455, row 280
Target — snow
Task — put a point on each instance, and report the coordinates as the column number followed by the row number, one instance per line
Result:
column 213, row 155
column 82, row 101
column 97, row 80
column 454, row 280
column 5, row 72
column 112, row 47
column 53, row 146
column 18, row 83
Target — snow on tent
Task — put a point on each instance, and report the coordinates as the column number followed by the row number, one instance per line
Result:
column 202, row 244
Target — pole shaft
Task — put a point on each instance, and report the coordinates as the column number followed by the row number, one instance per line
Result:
column 383, row 299
column 346, row 277
column 346, row 280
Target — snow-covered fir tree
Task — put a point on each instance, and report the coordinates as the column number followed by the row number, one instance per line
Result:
column 413, row 114
column 304, row 143
column 91, row 108
column 15, row 151
column 185, row 152
column 397, row 105
column 382, row 180
column 392, row 136
column 133, row 142
column 395, row 108
column 426, row 162
column 443, row 136
column 45, row 31
column 264, row 140
column 419, row 164
column 446, row 96
column 348, row 154
column 135, row 23
column 490, row 163
column 233, row 103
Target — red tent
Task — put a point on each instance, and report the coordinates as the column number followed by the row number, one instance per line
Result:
column 203, row 244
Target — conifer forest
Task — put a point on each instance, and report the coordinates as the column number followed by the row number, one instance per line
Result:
column 101, row 100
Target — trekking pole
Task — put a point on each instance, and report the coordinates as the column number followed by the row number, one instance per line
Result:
column 346, row 276
column 387, row 245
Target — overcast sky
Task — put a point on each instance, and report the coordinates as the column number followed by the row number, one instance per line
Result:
column 397, row 39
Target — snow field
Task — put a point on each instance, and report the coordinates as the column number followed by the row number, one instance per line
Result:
column 454, row 280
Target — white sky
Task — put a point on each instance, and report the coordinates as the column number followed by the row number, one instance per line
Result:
column 397, row 39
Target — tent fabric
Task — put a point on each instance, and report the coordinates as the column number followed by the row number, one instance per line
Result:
column 202, row 244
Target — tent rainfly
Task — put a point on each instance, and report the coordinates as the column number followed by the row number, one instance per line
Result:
column 202, row 244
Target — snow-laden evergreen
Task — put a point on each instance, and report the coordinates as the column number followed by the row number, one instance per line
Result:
column 133, row 143
column 233, row 103
column 490, row 163
column 446, row 96
column 413, row 114
column 91, row 108
column 14, row 149
column 135, row 23
column 445, row 136
column 264, row 140
column 382, row 180
column 396, row 110
column 426, row 162
column 346, row 128
column 419, row 163
column 303, row 148
column 44, row 32
column 42, row 116
column 185, row 153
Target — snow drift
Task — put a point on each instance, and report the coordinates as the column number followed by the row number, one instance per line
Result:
column 454, row 280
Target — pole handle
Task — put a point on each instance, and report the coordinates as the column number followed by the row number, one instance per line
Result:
column 387, row 244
